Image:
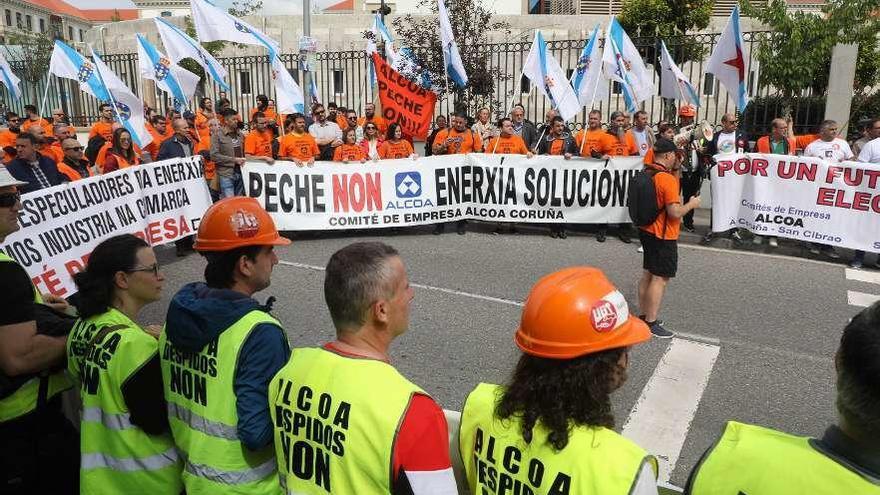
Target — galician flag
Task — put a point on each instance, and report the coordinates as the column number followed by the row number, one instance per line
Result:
column 9, row 79
column 178, row 46
column 728, row 62
column 588, row 79
column 128, row 107
column 288, row 94
column 170, row 78
column 454, row 65
column 381, row 31
column 549, row 78
column 69, row 64
column 673, row 83
column 215, row 24
column 624, row 64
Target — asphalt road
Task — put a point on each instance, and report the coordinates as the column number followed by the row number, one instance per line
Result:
column 776, row 320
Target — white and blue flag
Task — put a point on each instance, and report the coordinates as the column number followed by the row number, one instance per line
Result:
column 128, row 107
column 9, row 79
column 673, row 83
column 728, row 61
column 69, row 64
column 178, row 46
column 215, row 24
column 178, row 82
column 588, row 78
column 624, row 64
column 288, row 94
column 381, row 32
column 454, row 65
column 548, row 77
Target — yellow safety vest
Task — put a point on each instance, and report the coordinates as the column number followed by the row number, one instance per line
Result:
column 117, row 457
column 759, row 461
column 199, row 388
column 24, row 400
column 336, row 421
column 497, row 459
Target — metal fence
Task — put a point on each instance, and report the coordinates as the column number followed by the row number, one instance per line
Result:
column 343, row 77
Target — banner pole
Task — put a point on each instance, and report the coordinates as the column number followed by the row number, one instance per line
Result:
column 45, row 93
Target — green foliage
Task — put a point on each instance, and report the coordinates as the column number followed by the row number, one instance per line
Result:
column 471, row 21
column 796, row 56
column 34, row 53
column 213, row 47
column 667, row 19
column 240, row 8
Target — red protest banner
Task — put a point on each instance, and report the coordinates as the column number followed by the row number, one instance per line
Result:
column 404, row 101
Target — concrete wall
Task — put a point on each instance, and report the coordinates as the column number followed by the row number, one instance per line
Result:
column 344, row 31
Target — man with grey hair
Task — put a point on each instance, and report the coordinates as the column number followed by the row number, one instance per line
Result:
column 830, row 148
column 380, row 423
column 846, row 459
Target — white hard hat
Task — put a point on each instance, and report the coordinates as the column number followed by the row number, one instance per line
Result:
column 6, row 179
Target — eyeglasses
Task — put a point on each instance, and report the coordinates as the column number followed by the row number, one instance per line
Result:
column 9, row 200
column 14, row 121
column 152, row 268
column 74, row 148
column 370, row 128
column 318, row 112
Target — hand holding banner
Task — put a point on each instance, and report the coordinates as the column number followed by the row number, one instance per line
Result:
column 403, row 101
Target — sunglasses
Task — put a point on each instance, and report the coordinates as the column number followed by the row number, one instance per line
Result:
column 9, row 200
column 14, row 121
column 370, row 128
column 74, row 148
column 152, row 268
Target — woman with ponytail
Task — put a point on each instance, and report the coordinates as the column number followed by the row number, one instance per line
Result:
column 125, row 441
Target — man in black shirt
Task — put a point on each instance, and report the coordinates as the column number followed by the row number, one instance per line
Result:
column 40, row 452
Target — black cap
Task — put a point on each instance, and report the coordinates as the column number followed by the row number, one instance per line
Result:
column 664, row 145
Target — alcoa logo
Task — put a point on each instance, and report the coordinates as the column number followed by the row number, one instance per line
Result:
column 408, row 184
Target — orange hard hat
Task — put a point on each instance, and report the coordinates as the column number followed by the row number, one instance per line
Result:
column 687, row 111
column 576, row 311
column 237, row 222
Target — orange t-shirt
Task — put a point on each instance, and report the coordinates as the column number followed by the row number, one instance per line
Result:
column 154, row 145
column 597, row 140
column 379, row 121
column 7, row 140
column 668, row 192
column 348, row 152
column 616, row 148
column 342, row 122
column 804, row 140
column 508, row 145
column 47, row 127
column 258, row 143
column 104, row 129
column 53, row 152
column 400, row 149
column 462, row 142
column 205, row 145
column 301, row 147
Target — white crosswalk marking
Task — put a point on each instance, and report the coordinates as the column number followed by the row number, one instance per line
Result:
column 660, row 419
column 857, row 298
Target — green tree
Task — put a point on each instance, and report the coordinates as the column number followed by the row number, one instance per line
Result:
column 670, row 20
column 34, row 52
column 796, row 54
column 471, row 22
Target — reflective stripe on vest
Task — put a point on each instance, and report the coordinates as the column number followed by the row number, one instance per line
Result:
column 336, row 396
column 232, row 477
column 596, row 460
column 152, row 463
column 24, row 399
column 103, row 352
column 760, row 461
column 199, row 388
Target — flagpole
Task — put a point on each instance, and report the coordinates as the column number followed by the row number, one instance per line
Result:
column 446, row 78
column 592, row 100
column 45, row 94
column 110, row 93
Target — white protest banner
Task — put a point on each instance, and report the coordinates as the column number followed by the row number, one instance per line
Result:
column 159, row 202
column 797, row 197
column 397, row 193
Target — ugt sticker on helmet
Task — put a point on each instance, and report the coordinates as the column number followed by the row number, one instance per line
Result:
column 244, row 224
column 609, row 312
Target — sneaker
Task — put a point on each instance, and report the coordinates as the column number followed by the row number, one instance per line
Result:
column 658, row 331
column 562, row 234
column 461, row 229
column 756, row 240
column 774, row 242
column 640, row 249
column 600, row 236
column 624, row 237
column 855, row 264
column 438, row 229
column 707, row 239
column 736, row 237
column 832, row 253
column 553, row 234
column 689, row 228
column 814, row 250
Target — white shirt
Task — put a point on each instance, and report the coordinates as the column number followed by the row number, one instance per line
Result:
column 835, row 151
column 329, row 130
column 641, row 140
column 871, row 152
column 727, row 142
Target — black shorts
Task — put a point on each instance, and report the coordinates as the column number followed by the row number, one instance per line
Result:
column 660, row 255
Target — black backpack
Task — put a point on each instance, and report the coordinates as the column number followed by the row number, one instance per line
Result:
column 641, row 199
